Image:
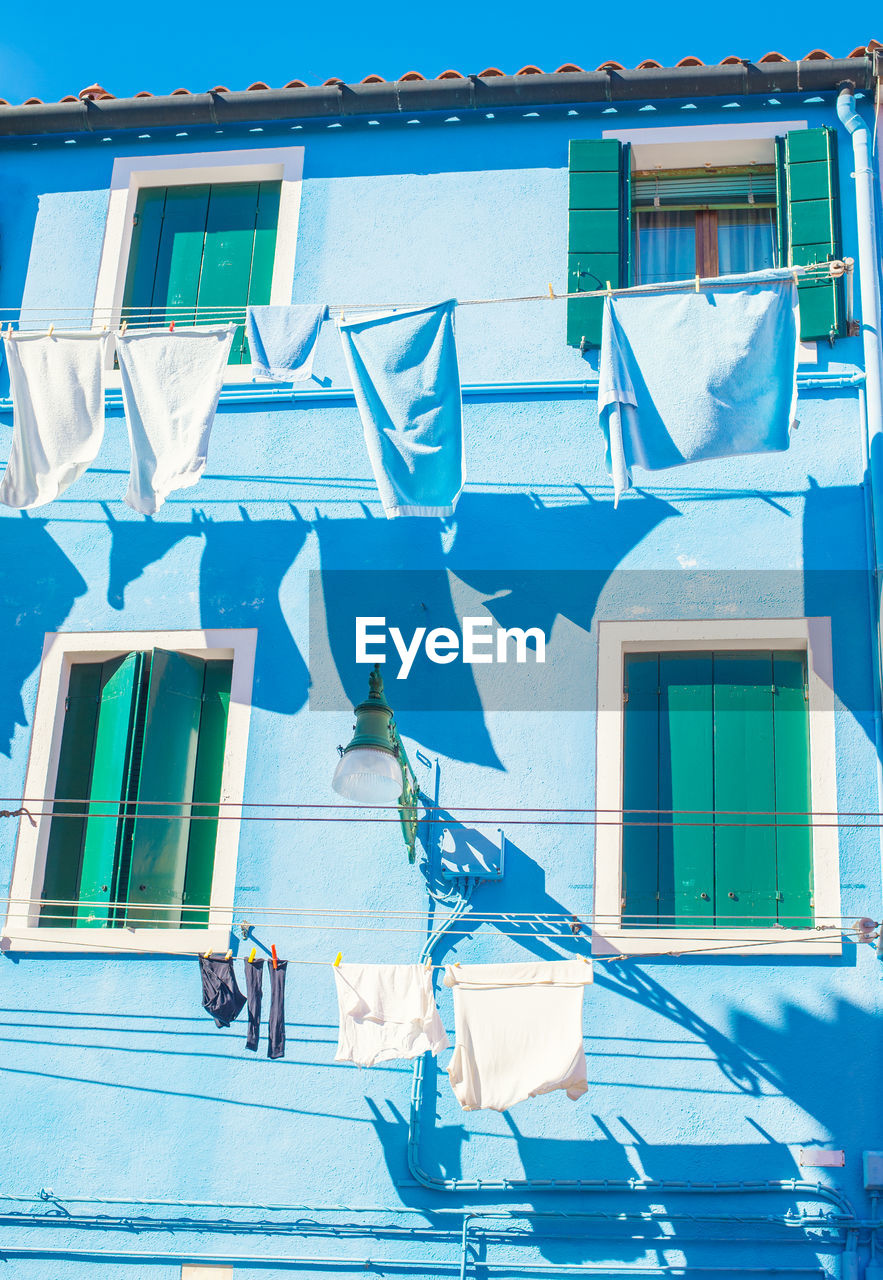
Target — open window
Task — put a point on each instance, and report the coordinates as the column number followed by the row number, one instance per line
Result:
column 629, row 226
column 138, row 745
column 132, row 839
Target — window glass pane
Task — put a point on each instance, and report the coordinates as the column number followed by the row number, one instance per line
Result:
column 665, row 245
column 746, row 240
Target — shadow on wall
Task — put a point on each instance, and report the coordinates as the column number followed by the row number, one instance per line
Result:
column 243, row 564
column 833, row 518
column 38, row 587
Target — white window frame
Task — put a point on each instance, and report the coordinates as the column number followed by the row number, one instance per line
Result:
column 61, row 649
column 131, row 174
column 616, row 639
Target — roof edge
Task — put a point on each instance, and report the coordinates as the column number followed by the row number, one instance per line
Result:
column 339, row 101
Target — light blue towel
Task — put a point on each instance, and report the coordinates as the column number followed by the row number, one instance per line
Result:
column 406, row 381
column 282, row 340
column 686, row 376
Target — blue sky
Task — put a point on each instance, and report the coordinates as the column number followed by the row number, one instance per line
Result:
column 57, row 47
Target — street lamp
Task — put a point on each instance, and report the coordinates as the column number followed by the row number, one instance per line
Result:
column 374, row 769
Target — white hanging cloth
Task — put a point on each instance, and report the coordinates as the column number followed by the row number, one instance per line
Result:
column 172, row 381
column 57, row 385
column 518, row 1031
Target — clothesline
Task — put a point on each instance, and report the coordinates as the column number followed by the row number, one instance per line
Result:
column 79, row 945
column 508, row 917
column 833, row 269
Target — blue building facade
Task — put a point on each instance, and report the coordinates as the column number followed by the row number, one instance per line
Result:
column 732, row 1115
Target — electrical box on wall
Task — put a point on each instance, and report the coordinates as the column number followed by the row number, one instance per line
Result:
column 821, row 1158
column 470, row 854
column 872, row 1164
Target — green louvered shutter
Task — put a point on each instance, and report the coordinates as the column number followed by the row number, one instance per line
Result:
column 724, row 735
column 200, row 253
column 811, row 224
column 168, row 751
column 110, row 785
column 640, row 799
column 64, row 853
column 598, row 235
column 207, row 792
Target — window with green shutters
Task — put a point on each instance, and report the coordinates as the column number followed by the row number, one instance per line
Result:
column 132, row 837
column 626, row 228
column 200, row 254
column 716, row 790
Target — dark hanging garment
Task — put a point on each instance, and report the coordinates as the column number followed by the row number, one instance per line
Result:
column 276, row 1035
column 254, row 986
column 220, row 993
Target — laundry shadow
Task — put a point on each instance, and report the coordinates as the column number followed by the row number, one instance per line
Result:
column 839, row 586
column 138, row 543
column 242, row 566
column 38, row 588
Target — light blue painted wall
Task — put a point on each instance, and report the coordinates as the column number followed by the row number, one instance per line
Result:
column 116, row 1083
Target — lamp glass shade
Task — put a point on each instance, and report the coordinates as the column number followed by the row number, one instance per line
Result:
column 368, row 775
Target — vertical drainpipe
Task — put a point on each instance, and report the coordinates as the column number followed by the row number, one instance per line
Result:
column 872, row 314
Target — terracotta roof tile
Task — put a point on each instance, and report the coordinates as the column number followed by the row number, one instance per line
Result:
column 96, row 92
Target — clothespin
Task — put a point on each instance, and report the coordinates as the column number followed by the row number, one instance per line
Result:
column 551, row 291
column 207, row 954
column 9, row 331
column 609, row 290
column 252, row 954
column 697, row 284
column 275, row 960
column 337, row 959
column 229, row 955
column 172, row 327
column 51, row 329
column 125, row 326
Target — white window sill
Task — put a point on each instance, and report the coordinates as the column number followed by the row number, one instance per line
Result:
column 716, row 942
column 107, row 941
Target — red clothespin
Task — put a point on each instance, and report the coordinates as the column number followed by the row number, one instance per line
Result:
column 172, row 327
column 273, row 952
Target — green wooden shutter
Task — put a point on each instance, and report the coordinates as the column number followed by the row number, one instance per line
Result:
column 206, row 792
column 722, row 734
column 598, row 239
column 744, row 784
column 158, row 858
column 61, row 880
column 200, row 253
column 686, row 787
column 812, row 221
column 640, row 798
column 794, row 870
column 112, row 766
